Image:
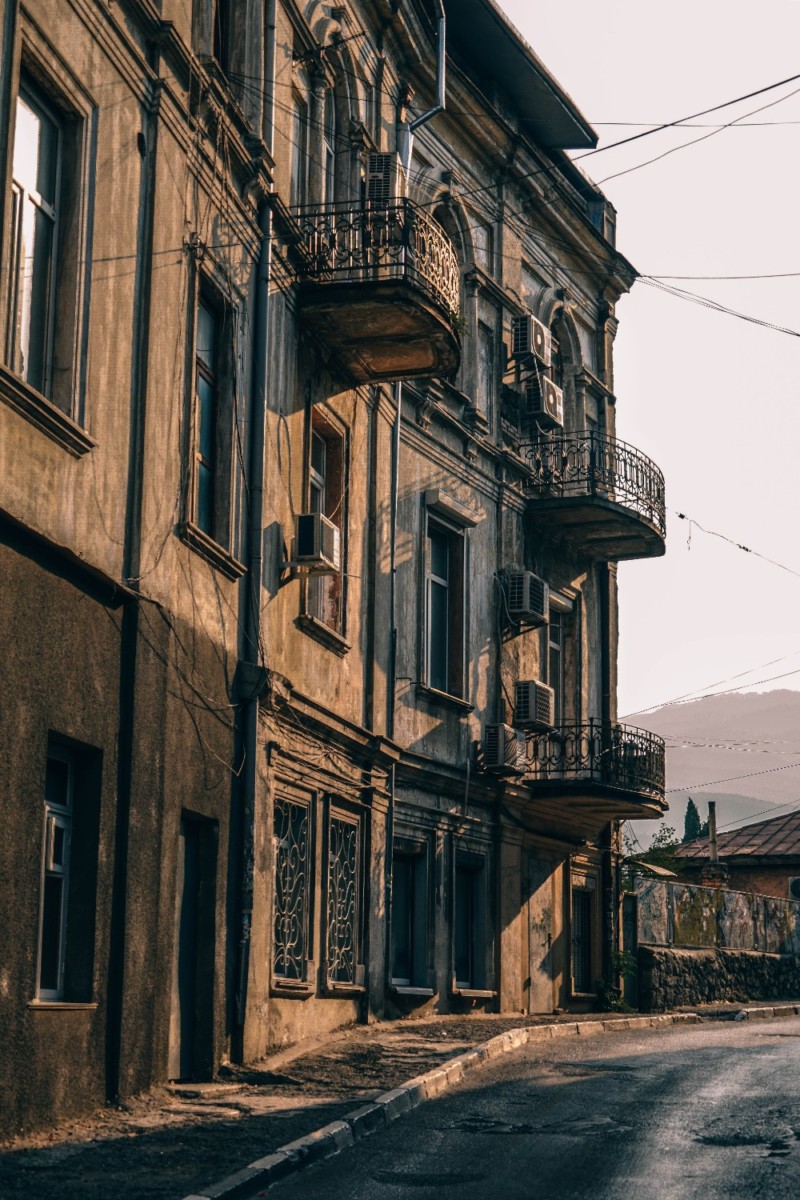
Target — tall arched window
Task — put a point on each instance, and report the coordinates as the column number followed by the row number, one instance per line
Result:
column 329, row 148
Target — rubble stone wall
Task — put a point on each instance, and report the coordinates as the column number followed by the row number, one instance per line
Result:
column 669, row 977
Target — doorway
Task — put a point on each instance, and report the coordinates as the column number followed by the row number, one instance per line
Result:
column 191, row 1023
column 540, row 935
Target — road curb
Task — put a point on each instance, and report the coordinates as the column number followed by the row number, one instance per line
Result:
column 339, row 1135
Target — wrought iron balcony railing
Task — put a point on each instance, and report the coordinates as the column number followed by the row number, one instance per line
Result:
column 398, row 241
column 586, row 464
column 611, row 756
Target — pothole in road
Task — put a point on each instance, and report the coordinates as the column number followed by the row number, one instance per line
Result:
column 768, row 1143
column 486, row 1125
column 429, row 1178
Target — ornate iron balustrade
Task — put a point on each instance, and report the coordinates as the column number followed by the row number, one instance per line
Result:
column 587, row 464
column 614, row 756
column 347, row 244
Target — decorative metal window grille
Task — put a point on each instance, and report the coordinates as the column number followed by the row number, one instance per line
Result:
column 291, row 889
column 342, row 901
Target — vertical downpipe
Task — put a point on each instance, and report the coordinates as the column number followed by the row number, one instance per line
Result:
column 131, row 569
column 606, row 711
column 252, row 645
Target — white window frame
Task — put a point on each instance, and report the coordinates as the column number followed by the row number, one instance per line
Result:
column 56, row 816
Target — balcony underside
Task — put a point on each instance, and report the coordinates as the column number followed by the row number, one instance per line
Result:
column 600, row 529
column 382, row 329
column 581, row 809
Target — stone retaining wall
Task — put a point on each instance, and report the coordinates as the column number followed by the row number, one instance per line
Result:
column 670, row 978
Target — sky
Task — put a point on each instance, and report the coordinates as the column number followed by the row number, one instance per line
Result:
column 711, row 398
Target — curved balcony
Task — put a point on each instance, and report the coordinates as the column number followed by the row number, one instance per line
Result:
column 605, row 771
column 602, row 495
column 381, row 286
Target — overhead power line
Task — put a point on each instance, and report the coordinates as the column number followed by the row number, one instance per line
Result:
column 737, row 545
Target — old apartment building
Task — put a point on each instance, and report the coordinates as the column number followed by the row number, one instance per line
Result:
column 311, row 503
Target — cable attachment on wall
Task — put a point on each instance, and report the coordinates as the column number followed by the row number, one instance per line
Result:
column 195, row 246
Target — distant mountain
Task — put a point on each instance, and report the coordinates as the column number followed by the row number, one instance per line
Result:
column 741, row 750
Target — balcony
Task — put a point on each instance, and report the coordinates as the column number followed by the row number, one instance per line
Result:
column 598, row 772
column 603, row 496
column 381, row 286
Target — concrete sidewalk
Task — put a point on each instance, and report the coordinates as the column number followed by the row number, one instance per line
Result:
column 298, row 1106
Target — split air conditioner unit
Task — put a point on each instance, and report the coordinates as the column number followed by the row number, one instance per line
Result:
column 503, row 749
column 527, row 597
column 545, row 402
column 386, row 179
column 317, row 545
column 530, row 336
column 533, row 705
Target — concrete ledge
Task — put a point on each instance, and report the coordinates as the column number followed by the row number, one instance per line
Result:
column 339, row 1135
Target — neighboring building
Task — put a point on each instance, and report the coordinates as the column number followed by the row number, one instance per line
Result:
column 763, row 857
column 309, row 712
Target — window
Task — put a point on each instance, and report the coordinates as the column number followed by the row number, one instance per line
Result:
column 343, row 941
column 555, row 662
column 469, row 922
column 221, row 34
column 69, row 878
column 326, row 473
column 329, row 148
column 410, row 916
column 581, row 940
column 483, row 241
column 444, row 608
column 487, row 370
column 209, row 526
column 35, row 213
column 293, row 870
column 299, row 151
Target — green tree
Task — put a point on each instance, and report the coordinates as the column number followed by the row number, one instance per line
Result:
column 662, row 849
column 692, row 827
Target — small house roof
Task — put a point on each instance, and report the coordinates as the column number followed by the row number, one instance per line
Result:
column 777, row 837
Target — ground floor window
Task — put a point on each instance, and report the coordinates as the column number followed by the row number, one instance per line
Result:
column 469, row 921
column 343, row 900
column 410, row 917
column 581, row 940
column 292, row 889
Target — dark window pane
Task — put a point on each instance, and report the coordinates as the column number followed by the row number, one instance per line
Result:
column 582, row 941
column 205, row 498
column 439, row 554
column 342, row 901
column 291, row 889
column 59, row 845
column 402, row 918
column 56, row 787
column 206, row 336
column 318, row 449
column 51, row 933
column 437, row 654
column 206, row 415
column 464, row 921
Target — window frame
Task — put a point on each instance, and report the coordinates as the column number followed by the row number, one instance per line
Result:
column 59, row 410
column 217, row 545
column 455, row 583
column 337, row 810
column 416, row 854
column 474, row 865
column 64, row 814
column 305, row 981
column 327, row 493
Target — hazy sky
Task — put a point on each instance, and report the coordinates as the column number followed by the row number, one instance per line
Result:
column 713, row 399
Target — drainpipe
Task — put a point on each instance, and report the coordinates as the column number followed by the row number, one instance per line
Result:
column 252, row 679
column 131, row 569
column 712, row 833
column 405, row 141
column 607, row 841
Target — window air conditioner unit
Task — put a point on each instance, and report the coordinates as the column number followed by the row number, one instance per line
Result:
column 386, row 179
column 503, row 749
column 794, row 888
column 545, row 402
column 533, row 705
column 527, row 597
column 316, row 544
column 529, row 336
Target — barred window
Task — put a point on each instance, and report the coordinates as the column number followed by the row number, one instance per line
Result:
column 292, row 889
column 343, row 900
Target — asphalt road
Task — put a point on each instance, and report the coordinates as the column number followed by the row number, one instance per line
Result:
column 709, row 1111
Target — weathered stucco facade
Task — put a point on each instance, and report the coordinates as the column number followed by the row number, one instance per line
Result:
column 253, row 787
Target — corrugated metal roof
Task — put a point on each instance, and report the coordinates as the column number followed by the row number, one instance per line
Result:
column 777, row 837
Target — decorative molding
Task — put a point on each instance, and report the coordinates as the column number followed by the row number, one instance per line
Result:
column 447, row 505
column 211, row 551
column 45, row 415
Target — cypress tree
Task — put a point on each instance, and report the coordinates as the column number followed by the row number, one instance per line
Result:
column 692, row 827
